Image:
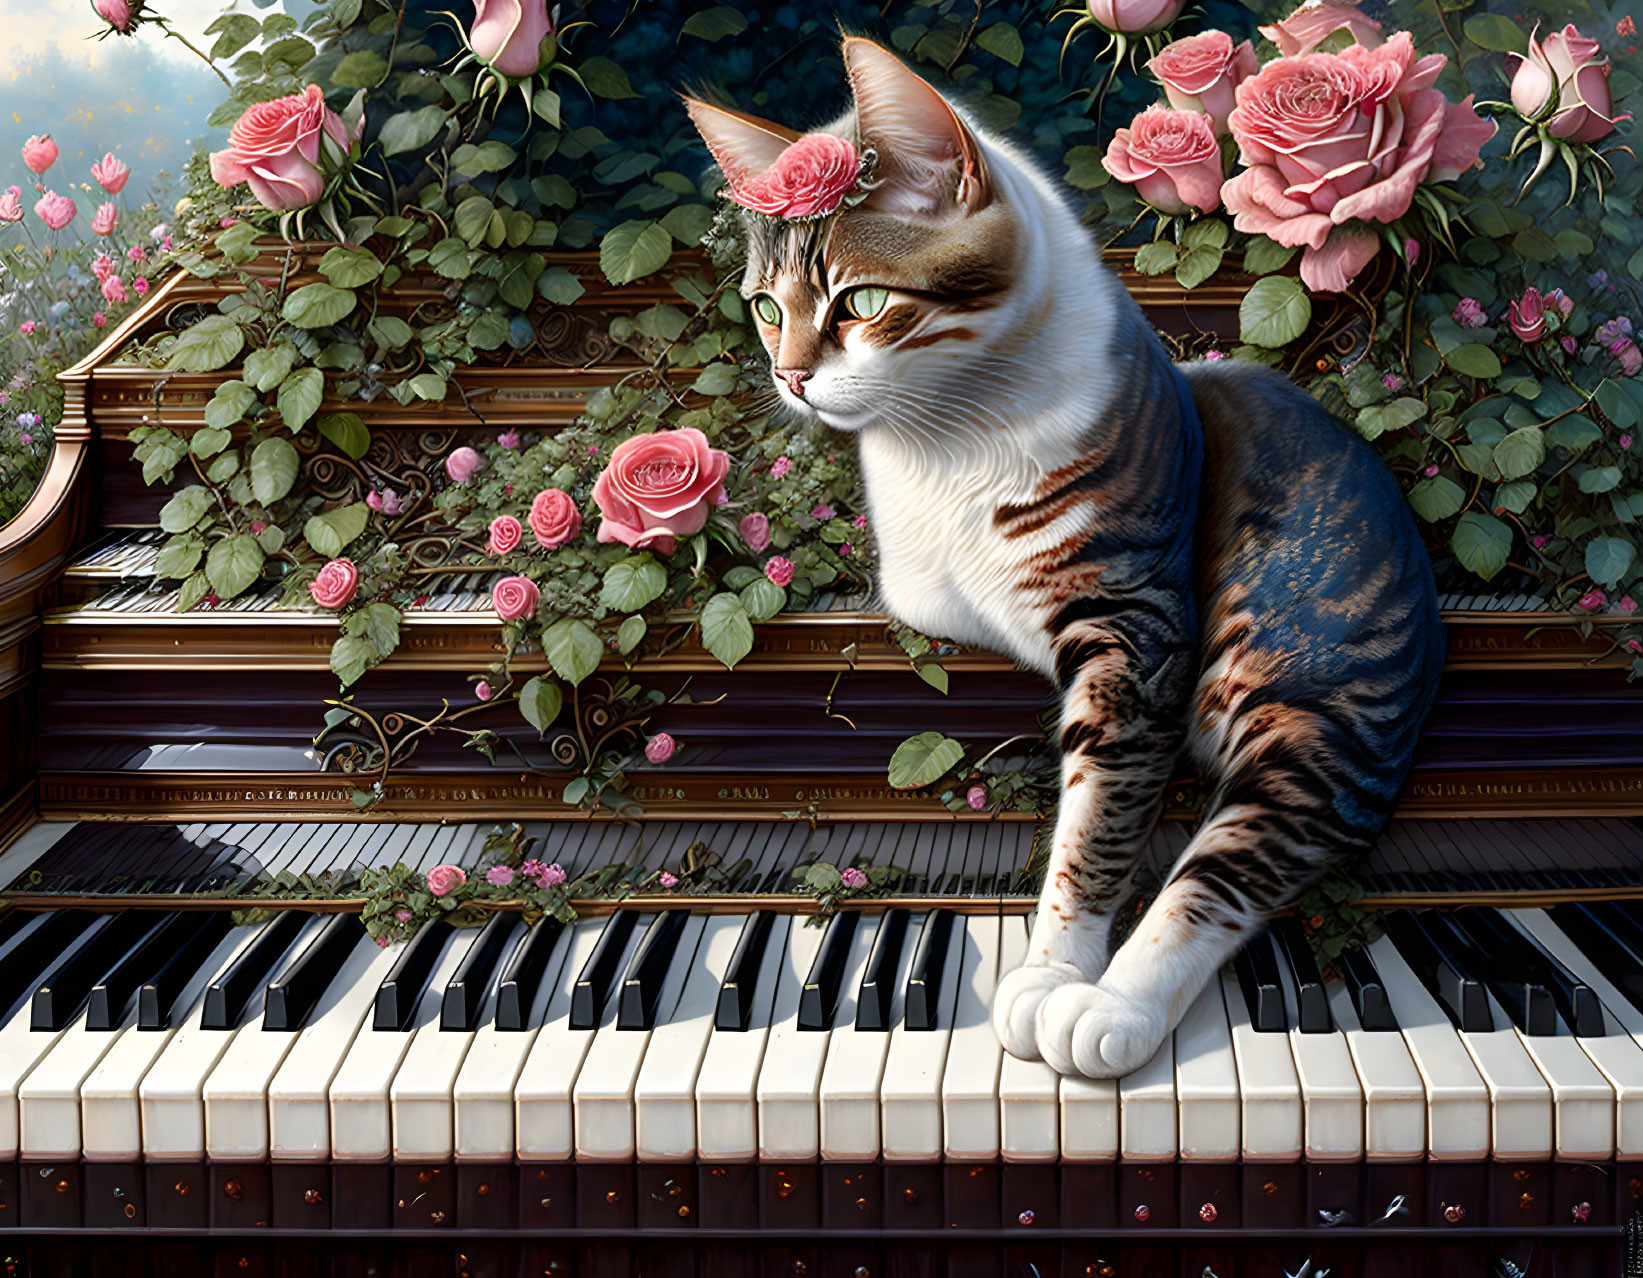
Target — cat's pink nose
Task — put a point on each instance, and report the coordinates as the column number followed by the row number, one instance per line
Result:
column 794, row 377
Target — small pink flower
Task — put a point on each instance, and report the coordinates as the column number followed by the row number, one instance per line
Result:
column 505, row 534
column 1556, row 299
column 98, row 318
column 515, row 598
column 1634, row 645
column 553, row 876
column 1430, row 470
column 1212, row 356
column 660, row 748
column 226, row 222
column 56, row 211
column 27, row 327
column 336, row 584
column 1539, row 541
column 780, row 467
column 1625, row 441
column 102, row 221
column 1625, row 26
column 755, row 530
column 499, row 875
column 25, row 437
column 114, row 289
column 140, row 285
column 779, row 570
column 1630, row 356
column 667, row 880
column 555, row 519
column 860, row 521
column 102, row 267
column 444, row 879
column 1528, row 316
column 1568, row 344
column 508, row 439
column 1411, row 250
column 823, row 511
column 11, row 205
column 463, row 464
column 383, row 942
column 135, row 253
column 1591, row 600
column 166, row 244
column 976, row 797
column 1392, row 381
column 845, row 548
column 808, row 179
column 482, row 690
column 257, row 526
column 531, row 869
column 402, row 916
column 39, row 153
column 373, row 499
column 1628, row 604
column 1469, row 314
column 853, row 878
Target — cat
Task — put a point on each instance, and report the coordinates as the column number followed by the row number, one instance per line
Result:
column 1199, row 557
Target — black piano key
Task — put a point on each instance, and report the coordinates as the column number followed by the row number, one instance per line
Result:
column 1368, row 995
column 119, row 985
column 464, row 997
column 522, row 978
column 401, row 990
column 296, row 991
column 642, row 983
column 157, row 997
column 878, row 984
column 65, row 990
column 1593, row 937
column 1257, row 969
column 25, row 964
column 1503, row 965
column 1461, row 996
column 235, row 989
column 1624, row 920
column 1311, row 999
column 820, row 997
column 735, row 1009
column 924, row 984
column 598, row 975
column 1577, row 1003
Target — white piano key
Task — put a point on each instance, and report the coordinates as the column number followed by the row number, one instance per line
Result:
column 603, row 1100
column 1522, row 1119
column 543, row 1114
column 237, row 1092
column 1148, row 1118
column 20, row 1051
column 49, row 1099
column 299, row 1105
column 1582, row 1100
column 789, row 1088
column 727, row 1109
column 1029, row 1092
column 910, row 1094
column 484, row 1090
column 1458, row 1117
column 1394, row 1118
column 1269, row 1091
column 1331, row 1095
column 969, row 1083
column 854, row 1070
column 361, row 1113
column 664, row 1096
column 1206, row 1081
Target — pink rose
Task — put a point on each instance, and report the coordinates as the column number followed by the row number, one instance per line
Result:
column 98, row 318
column 39, row 153
column 845, row 548
column 823, row 511
column 1135, row 17
column 853, row 878
column 515, row 598
column 1559, row 301
column 336, row 583
column 275, row 146
column 135, row 252
column 668, row 880
column 102, row 221
column 860, row 521
column 403, row 916
column 1629, row 355
column 444, row 879
column 779, row 570
column 139, row 286
column 658, row 487
column 508, row 34
column 1468, row 313
column 1170, row 157
column 114, row 290
column 499, row 875
column 553, row 876
column 1564, row 81
column 1201, row 72
column 56, row 211
column 508, row 439
column 780, row 467
column 1312, row 24
column 102, row 267
column 111, row 175
column 1591, row 600
column 117, row 13
column 1337, row 139
column 505, row 535
column 555, row 519
column 1529, row 316
column 27, row 327
column 660, row 748
column 11, row 205
column 809, row 179
column 482, row 690
column 755, row 530
column 463, row 464
column 976, row 797
column 531, row 869
column 382, row 942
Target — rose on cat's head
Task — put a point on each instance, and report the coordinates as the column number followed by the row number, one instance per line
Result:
column 810, row 179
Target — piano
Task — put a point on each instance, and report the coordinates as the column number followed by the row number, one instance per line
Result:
column 718, row 1080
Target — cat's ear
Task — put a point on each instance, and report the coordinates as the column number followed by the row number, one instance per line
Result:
column 743, row 146
column 929, row 163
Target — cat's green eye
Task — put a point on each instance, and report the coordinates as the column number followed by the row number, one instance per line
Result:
column 866, row 302
column 765, row 306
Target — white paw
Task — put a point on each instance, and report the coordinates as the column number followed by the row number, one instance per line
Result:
column 1017, row 1000
column 1098, row 1032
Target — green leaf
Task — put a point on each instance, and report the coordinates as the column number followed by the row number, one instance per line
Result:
column 1206, row 232
column 934, row 675
column 1264, row 255
column 330, row 532
column 1599, row 479
column 1473, row 359
column 274, row 464
column 716, row 379
column 1608, row 559
column 1520, row 453
column 1517, row 495
column 1436, row 498
column 1085, row 171
column 488, row 331
column 1395, row 414
column 1618, row 405
column 410, row 129
column 299, row 396
column 428, row 386
column 629, row 634
column 450, row 258
column 238, row 243
column 1197, row 265
column 559, row 286
column 740, row 575
column 350, row 267
column 223, row 468
column 233, row 564
column 1498, row 32
column 184, row 509
column 361, row 70
column 178, row 557
column 1155, row 258
column 1481, row 543
column 351, row 656
column 472, row 218
column 540, row 702
column 488, row 157
column 348, row 432
column 1003, row 41
column 923, row 760
column 715, row 23
column 207, row 346
column 1274, row 312
column 632, row 250
column 572, row 648
column 382, row 626
column 727, row 631
column 823, row 879
column 193, row 589
column 207, row 442
column 228, row 405
column 317, row 305
column 688, row 223
column 546, row 104
column 605, row 78
column 632, row 583
column 267, row 368
column 763, row 599
column 233, row 31
column 1575, row 432
column 391, row 331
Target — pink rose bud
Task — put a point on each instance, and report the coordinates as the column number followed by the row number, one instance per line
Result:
column 402, row 916
column 860, row 521
column 114, row 289
column 336, row 583
column 845, row 548
column 505, row 534
column 1135, row 17
column 508, row 34
column 1634, row 645
column 823, row 511
column 373, row 499
column 1628, row 604
column 976, row 797
column 382, row 942
column 275, row 148
column 1469, row 314
column 667, row 880
column 257, row 526
column 853, row 878
column 659, row 487
column 1559, row 301
column 780, row 467
column 1563, row 82
column 463, row 464
column 1631, row 357
column 1202, row 72
column 111, row 175
column 1529, row 316
column 808, row 179
column 27, row 327
column 1591, row 600
column 553, row 876
column 1411, row 250
column 117, row 13
column 56, row 211
column 499, row 875
column 515, row 598
column 1430, row 470
column 482, row 690
column 98, row 318
column 11, row 205
column 39, row 153
column 1568, row 344
column 444, row 879
column 660, row 748
column 779, row 570
column 1171, row 158
column 508, row 439
column 755, row 530
column 102, row 221
column 554, row 518
column 140, row 286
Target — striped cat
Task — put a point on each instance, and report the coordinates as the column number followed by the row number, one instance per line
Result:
column 1199, row 557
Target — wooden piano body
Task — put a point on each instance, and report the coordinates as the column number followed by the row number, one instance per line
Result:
column 156, row 767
